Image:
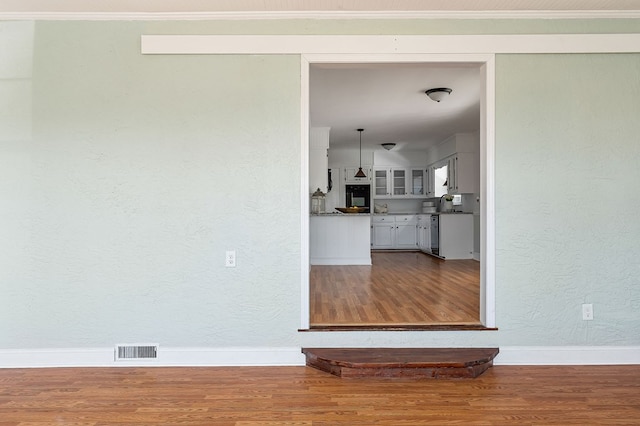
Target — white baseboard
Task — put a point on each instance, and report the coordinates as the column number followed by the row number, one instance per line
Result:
column 568, row 355
column 167, row 356
column 340, row 261
column 476, row 256
column 292, row 356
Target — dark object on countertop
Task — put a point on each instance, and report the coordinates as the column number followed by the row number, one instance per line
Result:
column 353, row 209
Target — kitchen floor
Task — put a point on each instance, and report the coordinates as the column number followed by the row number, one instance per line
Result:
column 399, row 289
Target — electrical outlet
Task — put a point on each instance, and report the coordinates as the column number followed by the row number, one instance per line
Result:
column 230, row 259
column 587, row 311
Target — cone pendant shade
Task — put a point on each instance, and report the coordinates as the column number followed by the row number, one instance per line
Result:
column 360, row 173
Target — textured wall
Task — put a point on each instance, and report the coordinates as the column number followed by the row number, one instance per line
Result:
column 140, row 171
column 567, row 150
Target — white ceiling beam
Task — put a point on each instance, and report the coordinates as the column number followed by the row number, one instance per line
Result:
column 435, row 44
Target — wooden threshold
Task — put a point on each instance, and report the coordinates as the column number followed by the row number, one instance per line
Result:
column 436, row 363
column 400, row 327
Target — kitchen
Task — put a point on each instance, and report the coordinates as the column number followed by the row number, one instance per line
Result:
column 414, row 182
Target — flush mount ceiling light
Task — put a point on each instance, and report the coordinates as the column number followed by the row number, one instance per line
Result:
column 438, row 93
column 360, row 173
column 388, row 146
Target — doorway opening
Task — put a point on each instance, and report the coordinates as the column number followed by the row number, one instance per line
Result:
column 484, row 309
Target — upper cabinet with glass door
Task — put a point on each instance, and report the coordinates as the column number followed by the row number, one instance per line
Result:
column 418, row 182
column 381, row 182
column 399, row 182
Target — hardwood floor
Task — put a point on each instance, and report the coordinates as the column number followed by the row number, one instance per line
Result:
column 503, row 395
column 399, row 289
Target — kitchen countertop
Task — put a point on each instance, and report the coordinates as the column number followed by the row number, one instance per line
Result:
column 392, row 214
column 339, row 214
column 448, row 213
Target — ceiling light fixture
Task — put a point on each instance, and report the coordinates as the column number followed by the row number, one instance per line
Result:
column 388, row 146
column 438, row 93
column 360, row 173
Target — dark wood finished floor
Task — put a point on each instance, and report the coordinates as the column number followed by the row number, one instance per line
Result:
column 399, row 289
column 503, row 395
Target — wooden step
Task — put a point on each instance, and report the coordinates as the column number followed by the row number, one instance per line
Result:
column 437, row 363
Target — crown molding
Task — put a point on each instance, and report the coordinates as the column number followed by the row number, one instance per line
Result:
column 322, row 15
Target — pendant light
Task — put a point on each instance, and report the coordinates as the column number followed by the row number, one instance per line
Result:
column 360, row 173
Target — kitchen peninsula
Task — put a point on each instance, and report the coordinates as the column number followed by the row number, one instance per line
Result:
column 340, row 239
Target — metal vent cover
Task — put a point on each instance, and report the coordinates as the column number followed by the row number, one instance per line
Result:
column 136, row 351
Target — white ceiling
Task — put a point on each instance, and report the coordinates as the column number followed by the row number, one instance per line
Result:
column 389, row 102
column 188, row 6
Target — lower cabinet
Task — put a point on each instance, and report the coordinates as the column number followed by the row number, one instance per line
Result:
column 406, row 237
column 383, row 232
column 423, row 232
column 394, row 232
column 456, row 236
column 410, row 232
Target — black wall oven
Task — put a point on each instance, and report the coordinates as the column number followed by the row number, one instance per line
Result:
column 358, row 196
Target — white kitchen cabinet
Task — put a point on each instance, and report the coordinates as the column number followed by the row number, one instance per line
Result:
column 456, row 236
column 406, row 237
column 318, row 159
column 398, row 182
column 423, row 232
column 393, row 232
column 417, row 182
column 350, row 172
column 381, row 182
column 463, row 173
column 456, row 174
column 429, row 182
column 383, row 232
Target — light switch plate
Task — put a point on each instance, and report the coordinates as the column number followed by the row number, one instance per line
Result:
column 587, row 311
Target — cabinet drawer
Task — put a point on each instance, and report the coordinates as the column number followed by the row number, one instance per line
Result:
column 406, row 219
column 383, row 219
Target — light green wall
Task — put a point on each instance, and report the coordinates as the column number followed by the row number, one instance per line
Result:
column 138, row 172
column 567, row 150
column 141, row 172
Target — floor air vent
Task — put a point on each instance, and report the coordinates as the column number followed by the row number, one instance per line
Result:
column 132, row 352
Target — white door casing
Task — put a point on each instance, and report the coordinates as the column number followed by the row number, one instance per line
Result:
column 487, row 118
